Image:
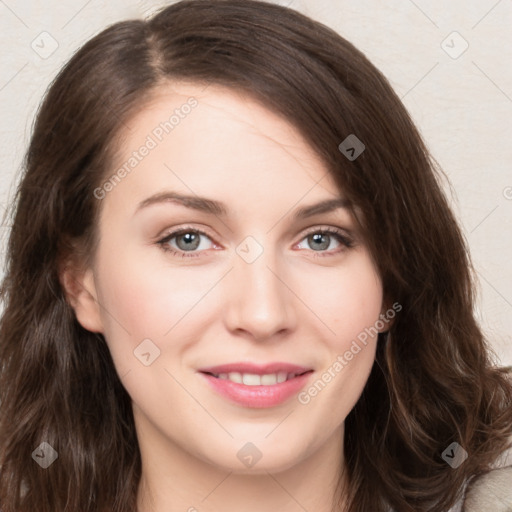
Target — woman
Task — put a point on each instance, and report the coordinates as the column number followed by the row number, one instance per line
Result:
column 234, row 282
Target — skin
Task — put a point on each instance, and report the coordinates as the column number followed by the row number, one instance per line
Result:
column 295, row 303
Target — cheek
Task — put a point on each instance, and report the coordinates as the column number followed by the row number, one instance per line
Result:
column 351, row 306
column 347, row 300
column 142, row 301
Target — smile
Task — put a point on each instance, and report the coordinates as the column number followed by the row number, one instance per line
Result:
column 257, row 386
column 253, row 379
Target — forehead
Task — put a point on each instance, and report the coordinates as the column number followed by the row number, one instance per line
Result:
column 200, row 111
column 214, row 141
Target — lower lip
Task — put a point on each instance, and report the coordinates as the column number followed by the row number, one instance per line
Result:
column 258, row 396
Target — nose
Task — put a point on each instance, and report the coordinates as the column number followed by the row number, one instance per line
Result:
column 260, row 299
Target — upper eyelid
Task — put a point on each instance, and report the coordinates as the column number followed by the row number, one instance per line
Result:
column 305, row 232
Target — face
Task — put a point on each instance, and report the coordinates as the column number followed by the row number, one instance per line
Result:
column 182, row 287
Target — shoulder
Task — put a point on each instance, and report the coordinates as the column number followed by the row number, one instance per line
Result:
column 491, row 491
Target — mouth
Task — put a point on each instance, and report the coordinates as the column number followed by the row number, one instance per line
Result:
column 253, row 379
column 257, row 386
column 251, row 374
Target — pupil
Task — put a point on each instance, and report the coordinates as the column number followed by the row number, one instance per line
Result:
column 317, row 238
column 191, row 240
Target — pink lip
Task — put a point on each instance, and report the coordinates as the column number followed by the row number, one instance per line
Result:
column 255, row 368
column 257, row 396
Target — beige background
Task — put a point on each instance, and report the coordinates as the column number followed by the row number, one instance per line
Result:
column 460, row 98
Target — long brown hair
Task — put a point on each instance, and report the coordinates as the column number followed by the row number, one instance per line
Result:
column 435, row 379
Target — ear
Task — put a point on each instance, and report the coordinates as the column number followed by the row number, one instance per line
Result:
column 80, row 291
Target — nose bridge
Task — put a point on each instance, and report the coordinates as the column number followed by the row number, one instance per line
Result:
column 260, row 301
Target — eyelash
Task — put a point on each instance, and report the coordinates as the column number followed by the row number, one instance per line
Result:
column 337, row 233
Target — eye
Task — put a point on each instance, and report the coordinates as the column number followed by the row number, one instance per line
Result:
column 319, row 239
column 187, row 241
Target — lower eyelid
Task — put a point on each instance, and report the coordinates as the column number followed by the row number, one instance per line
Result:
column 343, row 239
column 164, row 242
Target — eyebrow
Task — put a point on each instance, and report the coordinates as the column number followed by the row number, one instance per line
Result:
column 217, row 208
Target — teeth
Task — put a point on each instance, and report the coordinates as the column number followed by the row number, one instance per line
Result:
column 235, row 377
column 251, row 379
column 269, row 379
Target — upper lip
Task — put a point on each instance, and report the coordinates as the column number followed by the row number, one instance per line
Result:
column 257, row 369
